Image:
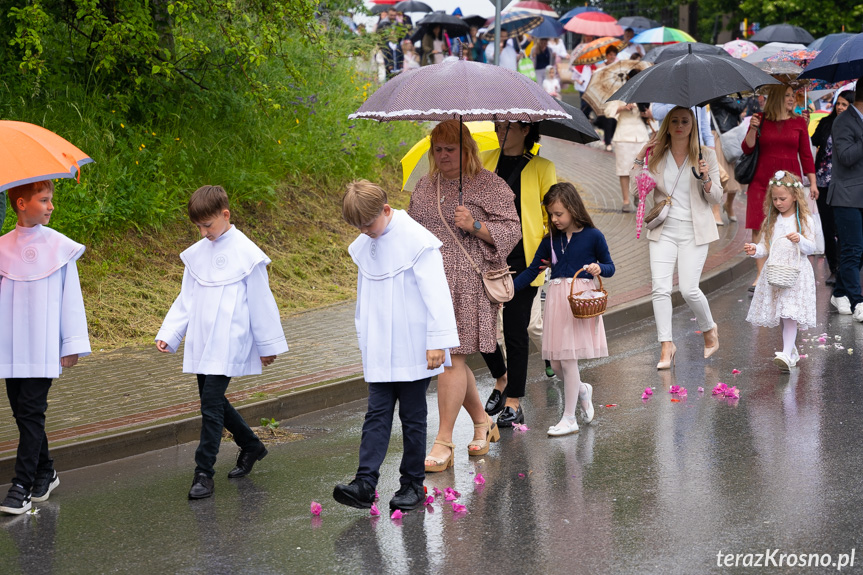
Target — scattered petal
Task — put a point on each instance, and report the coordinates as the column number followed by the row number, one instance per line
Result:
column 458, row 508
column 732, row 393
column 720, row 389
column 397, row 514
column 735, row 371
column 674, row 389
column 610, row 405
column 479, row 479
column 675, row 400
column 822, row 339
column 316, row 508
column 683, row 392
column 450, row 497
column 437, row 492
column 520, row 427
column 377, row 496
column 697, row 331
column 850, row 352
column 837, row 337
column 646, row 395
column 700, row 389
column 429, row 500
column 521, row 474
column 374, row 511
column 648, row 391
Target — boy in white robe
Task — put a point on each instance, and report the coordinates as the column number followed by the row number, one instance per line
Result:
column 230, row 320
column 405, row 325
column 45, row 329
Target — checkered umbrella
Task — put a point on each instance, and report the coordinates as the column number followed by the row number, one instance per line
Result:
column 460, row 89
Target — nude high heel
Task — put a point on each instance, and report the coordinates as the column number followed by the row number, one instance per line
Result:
column 441, row 464
column 711, row 349
column 670, row 362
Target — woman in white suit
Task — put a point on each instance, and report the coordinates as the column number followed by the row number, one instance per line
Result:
column 684, row 236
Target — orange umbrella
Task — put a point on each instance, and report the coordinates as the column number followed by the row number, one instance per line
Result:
column 593, row 52
column 31, row 153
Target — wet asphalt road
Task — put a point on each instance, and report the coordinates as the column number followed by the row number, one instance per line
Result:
column 650, row 487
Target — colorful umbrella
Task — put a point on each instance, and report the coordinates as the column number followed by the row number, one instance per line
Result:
column 531, row 6
column 576, row 11
column 662, row 35
column 607, row 80
column 782, row 33
column 594, row 24
column 740, row 48
column 593, row 52
column 799, row 57
column 770, row 49
column 515, row 23
column 31, row 153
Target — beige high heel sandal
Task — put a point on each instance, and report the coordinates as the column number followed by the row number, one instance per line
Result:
column 441, row 464
column 670, row 362
column 492, row 435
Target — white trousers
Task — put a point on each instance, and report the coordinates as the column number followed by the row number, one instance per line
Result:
column 677, row 246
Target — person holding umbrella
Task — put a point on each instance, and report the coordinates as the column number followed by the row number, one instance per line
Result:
column 632, row 131
column 783, row 141
column 683, row 238
column 483, row 229
column 510, row 51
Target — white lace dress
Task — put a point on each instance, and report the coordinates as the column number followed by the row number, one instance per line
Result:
column 769, row 303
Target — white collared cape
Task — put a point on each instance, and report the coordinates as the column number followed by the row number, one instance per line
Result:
column 41, row 302
column 404, row 306
column 225, row 309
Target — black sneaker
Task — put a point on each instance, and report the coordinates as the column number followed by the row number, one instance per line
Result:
column 408, row 497
column 202, row 487
column 17, row 501
column 246, row 460
column 357, row 494
column 43, row 486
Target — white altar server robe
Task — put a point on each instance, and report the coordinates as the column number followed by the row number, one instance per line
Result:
column 404, row 306
column 225, row 309
column 40, row 303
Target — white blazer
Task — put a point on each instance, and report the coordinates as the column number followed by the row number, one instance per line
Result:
column 702, row 215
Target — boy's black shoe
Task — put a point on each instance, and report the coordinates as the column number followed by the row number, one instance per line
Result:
column 246, row 460
column 408, row 497
column 357, row 494
column 202, row 487
column 44, row 485
column 17, row 501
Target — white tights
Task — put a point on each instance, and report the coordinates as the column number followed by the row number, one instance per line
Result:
column 789, row 335
column 571, row 383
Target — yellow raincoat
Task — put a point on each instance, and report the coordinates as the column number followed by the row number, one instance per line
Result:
column 536, row 178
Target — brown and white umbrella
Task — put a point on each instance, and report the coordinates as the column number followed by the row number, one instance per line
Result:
column 608, row 80
column 463, row 90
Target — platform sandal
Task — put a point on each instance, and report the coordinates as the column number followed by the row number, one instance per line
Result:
column 492, row 435
column 441, row 464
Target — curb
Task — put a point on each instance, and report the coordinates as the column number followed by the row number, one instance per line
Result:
column 316, row 396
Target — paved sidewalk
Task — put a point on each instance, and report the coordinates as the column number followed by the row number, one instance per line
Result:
column 114, row 392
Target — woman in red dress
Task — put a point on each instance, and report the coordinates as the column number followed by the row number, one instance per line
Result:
column 783, row 145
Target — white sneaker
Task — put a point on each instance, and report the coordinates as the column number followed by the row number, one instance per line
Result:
column 858, row 312
column 566, row 426
column 842, row 304
column 782, row 361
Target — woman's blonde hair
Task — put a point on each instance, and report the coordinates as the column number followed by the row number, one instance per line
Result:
column 447, row 133
column 774, row 107
column 771, row 214
column 663, row 141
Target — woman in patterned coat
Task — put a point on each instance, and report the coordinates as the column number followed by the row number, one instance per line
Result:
column 487, row 226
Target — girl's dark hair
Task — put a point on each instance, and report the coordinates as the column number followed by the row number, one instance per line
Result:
column 568, row 196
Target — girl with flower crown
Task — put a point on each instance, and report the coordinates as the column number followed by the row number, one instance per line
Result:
column 787, row 237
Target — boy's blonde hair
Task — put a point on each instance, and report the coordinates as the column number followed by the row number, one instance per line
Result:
column 362, row 203
column 207, row 202
column 793, row 184
column 26, row 191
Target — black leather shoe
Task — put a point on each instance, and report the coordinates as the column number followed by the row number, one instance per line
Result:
column 510, row 416
column 495, row 402
column 408, row 497
column 357, row 494
column 246, row 460
column 202, row 487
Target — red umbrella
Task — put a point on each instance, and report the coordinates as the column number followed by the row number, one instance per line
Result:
column 594, row 24
column 385, row 1
column 533, row 7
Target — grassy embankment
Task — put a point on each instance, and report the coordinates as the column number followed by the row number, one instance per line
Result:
column 284, row 171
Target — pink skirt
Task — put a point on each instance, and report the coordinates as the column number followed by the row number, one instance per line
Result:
column 563, row 336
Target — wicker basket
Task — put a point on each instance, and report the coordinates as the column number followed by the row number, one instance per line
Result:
column 781, row 275
column 585, row 308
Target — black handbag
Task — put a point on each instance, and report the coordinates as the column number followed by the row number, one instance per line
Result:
column 744, row 170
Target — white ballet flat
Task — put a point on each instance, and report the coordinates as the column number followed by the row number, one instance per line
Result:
column 563, row 429
column 587, row 398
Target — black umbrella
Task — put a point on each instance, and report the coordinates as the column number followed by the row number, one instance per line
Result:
column 693, row 80
column 577, row 130
column 638, row 23
column 412, row 6
column 450, row 24
column 474, row 20
column 669, row 51
column 379, row 8
column 783, row 33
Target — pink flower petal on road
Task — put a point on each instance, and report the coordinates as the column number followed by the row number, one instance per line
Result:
column 458, row 508
column 452, row 491
column 520, row 427
column 377, row 496
column 374, row 511
column 700, row 389
column 735, row 371
column 397, row 514
column 437, row 492
column 479, row 479
column 450, row 497
column 683, row 392
column 647, row 391
column 720, row 389
column 645, row 395
column 521, row 474
column 732, row 393
column 316, row 508
column 429, row 500
column 674, row 389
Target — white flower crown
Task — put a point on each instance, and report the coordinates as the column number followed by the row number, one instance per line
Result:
column 777, row 181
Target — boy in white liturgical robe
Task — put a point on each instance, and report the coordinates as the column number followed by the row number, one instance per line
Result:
column 230, row 320
column 44, row 330
column 406, row 326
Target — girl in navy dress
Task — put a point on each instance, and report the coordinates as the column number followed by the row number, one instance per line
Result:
column 574, row 245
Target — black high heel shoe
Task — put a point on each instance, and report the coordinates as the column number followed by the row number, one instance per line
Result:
column 495, row 402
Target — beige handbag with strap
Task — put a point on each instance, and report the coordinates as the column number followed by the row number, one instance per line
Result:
column 497, row 283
